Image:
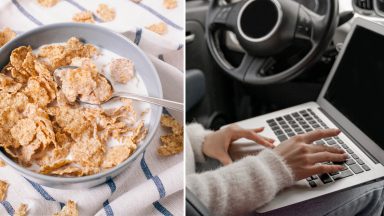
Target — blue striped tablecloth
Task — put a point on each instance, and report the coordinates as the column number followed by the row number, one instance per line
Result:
column 153, row 185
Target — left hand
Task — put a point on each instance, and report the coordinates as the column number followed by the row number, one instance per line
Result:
column 216, row 144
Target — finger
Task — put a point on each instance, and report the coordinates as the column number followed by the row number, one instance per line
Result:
column 326, row 157
column 324, row 148
column 225, row 159
column 269, row 139
column 319, row 134
column 258, row 130
column 260, row 140
column 322, row 168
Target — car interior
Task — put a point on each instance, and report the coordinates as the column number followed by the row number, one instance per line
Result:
column 242, row 68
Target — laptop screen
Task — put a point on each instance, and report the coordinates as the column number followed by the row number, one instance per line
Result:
column 357, row 88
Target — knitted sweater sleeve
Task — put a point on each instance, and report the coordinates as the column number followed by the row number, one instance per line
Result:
column 196, row 134
column 243, row 186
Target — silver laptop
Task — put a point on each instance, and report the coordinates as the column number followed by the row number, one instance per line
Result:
column 350, row 100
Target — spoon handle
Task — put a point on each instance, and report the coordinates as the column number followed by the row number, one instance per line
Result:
column 157, row 101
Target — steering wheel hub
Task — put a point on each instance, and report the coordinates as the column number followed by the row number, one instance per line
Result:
column 265, row 27
column 259, row 19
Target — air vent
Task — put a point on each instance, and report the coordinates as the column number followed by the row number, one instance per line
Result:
column 380, row 5
column 364, row 4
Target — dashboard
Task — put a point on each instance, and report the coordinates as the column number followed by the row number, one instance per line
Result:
column 369, row 7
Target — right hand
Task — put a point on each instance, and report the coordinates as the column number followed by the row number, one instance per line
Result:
column 305, row 158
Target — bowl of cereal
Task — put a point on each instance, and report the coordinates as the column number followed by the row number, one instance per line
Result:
column 49, row 136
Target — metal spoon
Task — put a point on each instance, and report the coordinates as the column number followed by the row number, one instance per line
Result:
column 152, row 100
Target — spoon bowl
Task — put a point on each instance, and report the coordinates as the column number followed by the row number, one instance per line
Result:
column 152, row 100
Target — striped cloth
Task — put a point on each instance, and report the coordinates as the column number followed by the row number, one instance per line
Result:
column 153, row 185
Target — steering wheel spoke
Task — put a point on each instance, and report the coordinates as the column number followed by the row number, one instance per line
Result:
column 258, row 68
column 223, row 16
column 309, row 25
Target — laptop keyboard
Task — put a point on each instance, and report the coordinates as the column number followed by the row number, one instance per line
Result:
column 305, row 121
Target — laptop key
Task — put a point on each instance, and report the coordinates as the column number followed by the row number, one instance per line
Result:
column 297, row 129
column 272, row 124
column 331, row 142
column 270, row 121
column 279, row 119
column 302, row 122
column 320, row 142
column 291, row 134
column 359, row 161
column 282, row 138
column 288, row 130
column 275, row 128
column 337, row 146
column 325, row 178
column 342, row 174
column 279, row 132
column 344, row 146
column 355, row 156
column 366, row 167
column 285, row 126
column 350, row 151
column 350, row 162
column 288, row 117
column 334, row 173
column 356, row 169
column 295, row 114
column 312, row 183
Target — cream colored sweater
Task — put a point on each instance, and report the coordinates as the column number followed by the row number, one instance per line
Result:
column 240, row 187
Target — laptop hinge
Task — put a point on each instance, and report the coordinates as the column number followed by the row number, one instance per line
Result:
column 362, row 148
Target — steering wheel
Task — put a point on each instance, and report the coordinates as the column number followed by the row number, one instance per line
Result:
column 265, row 28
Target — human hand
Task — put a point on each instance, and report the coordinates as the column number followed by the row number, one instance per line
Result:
column 305, row 158
column 216, row 144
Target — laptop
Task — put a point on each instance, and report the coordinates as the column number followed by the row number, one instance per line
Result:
column 351, row 100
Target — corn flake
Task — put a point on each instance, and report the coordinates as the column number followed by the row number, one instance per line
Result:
column 122, row 70
column 159, row 28
column 47, row 3
column 51, row 167
column 68, row 171
column 2, row 163
column 69, row 209
column 22, row 210
column 83, row 17
column 85, row 82
column 116, row 155
column 171, row 143
column 24, row 131
column 170, row 4
column 106, row 13
column 3, row 190
column 6, row 35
